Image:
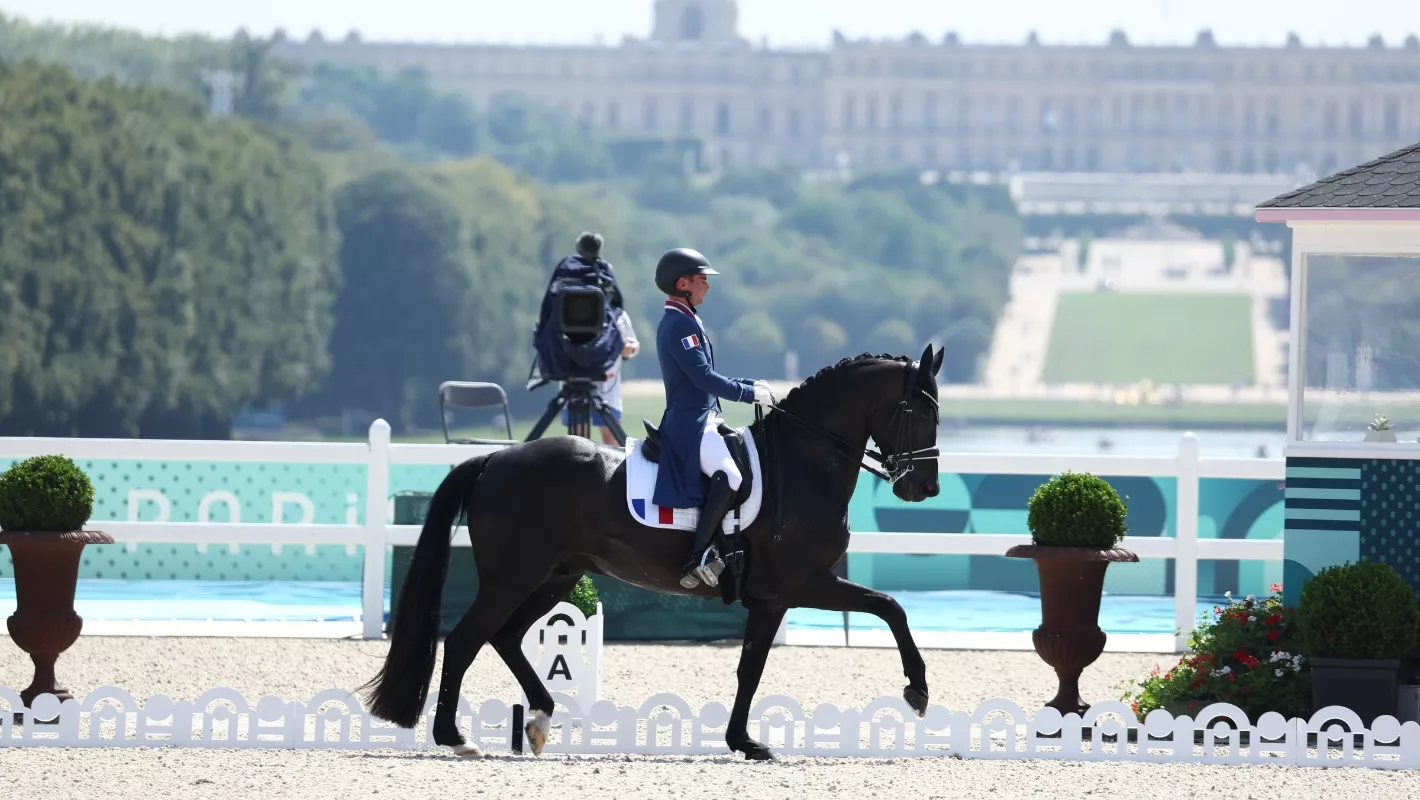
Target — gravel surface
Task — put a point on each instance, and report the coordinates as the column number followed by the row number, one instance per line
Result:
column 297, row 669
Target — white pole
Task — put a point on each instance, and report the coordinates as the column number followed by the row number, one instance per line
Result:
column 377, row 480
column 1185, row 571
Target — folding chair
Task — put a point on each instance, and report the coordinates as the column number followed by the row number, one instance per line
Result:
column 464, row 394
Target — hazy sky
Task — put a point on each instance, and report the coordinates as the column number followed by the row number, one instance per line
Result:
column 783, row 22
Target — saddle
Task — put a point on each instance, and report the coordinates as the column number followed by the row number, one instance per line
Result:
column 739, row 451
column 733, row 550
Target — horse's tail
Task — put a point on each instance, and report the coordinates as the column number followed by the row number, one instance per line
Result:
column 402, row 684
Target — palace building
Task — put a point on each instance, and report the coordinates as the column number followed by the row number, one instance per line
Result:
column 948, row 104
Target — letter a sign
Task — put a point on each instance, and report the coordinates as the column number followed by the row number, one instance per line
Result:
column 559, row 667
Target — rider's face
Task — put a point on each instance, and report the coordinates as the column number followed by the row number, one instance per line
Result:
column 697, row 285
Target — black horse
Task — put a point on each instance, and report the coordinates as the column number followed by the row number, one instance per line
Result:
column 543, row 513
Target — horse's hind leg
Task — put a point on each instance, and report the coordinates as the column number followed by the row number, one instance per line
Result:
column 490, row 610
column 508, row 641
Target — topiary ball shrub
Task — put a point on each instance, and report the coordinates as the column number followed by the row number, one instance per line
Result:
column 1076, row 509
column 1363, row 610
column 45, row 493
column 584, row 597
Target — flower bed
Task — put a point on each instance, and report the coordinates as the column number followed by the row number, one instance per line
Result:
column 1249, row 654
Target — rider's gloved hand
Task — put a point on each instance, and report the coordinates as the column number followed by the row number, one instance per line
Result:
column 762, row 393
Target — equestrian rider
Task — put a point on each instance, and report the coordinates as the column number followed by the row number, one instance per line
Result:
column 690, row 439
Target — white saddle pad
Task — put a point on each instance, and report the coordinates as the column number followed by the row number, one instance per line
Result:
column 641, row 486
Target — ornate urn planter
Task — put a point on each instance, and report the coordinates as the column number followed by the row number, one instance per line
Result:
column 1076, row 520
column 1069, row 637
column 44, row 623
column 44, row 503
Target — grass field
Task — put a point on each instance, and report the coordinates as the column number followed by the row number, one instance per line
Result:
column 1103, row 337
column 1033, row 412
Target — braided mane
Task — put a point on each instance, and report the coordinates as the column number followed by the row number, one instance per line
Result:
column 844, row 362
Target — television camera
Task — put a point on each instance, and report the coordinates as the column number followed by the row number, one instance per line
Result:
column 577, row 340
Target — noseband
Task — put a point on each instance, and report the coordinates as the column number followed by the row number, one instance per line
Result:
column 895, row 465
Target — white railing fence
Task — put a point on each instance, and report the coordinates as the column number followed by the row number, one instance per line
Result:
column 377, row 534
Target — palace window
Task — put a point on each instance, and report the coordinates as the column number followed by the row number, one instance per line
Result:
column 692, row 24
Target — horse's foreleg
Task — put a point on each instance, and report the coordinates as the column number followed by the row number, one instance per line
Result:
column 831, row 593
column 760, row 628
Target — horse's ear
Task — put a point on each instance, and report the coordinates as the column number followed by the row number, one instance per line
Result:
column 937, row 360
column 926, row 360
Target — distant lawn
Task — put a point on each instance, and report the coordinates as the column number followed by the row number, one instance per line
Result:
column 1103, row 337
column 995, row 411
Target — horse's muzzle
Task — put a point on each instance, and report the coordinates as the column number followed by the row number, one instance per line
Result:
column 931, row 489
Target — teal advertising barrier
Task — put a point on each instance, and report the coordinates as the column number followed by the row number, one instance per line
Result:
column 333, row 493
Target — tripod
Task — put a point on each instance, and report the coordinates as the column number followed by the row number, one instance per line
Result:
column 579, row 396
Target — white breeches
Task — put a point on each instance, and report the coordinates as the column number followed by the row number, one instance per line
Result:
column 715, row 456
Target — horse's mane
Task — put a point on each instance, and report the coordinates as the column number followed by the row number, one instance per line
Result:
column 809, row 382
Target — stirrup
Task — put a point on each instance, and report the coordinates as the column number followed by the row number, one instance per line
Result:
column 707, row 572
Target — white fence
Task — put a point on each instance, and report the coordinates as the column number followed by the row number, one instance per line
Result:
column 377, row 533
column 666, row 725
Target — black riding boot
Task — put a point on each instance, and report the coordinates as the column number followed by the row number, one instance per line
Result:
column 712, row 514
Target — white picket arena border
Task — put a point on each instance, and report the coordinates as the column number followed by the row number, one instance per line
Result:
column 377, row 534
column 665, row 724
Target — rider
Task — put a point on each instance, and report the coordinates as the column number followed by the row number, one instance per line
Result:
column 690, row 439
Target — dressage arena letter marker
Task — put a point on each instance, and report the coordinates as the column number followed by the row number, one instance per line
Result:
column 559, row 665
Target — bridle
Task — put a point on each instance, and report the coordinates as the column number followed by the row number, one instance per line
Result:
column 895, row 465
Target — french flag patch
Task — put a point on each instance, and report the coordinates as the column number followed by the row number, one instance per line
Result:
column 691, row 341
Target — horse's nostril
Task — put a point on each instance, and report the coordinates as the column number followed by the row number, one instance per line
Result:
column 931, row 490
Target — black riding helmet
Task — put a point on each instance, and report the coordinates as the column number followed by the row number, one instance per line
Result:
column 678, row 263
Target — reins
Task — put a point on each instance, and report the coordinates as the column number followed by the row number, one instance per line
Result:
column 895, row 466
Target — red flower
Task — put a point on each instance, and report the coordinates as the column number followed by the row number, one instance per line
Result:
column 1275, row 619
column 1241, row 654
column 1274, row 634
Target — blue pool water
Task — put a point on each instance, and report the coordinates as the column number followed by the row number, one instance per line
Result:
column 291, row 601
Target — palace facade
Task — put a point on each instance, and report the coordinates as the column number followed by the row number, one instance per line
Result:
column 1113, row 107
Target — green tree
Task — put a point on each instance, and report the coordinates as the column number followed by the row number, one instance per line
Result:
column 407, row 286
column 159, row 270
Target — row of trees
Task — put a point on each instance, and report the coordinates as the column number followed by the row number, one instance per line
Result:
column 348, row 241
column 159, row 270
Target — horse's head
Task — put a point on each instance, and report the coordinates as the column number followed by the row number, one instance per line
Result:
column 905, row 429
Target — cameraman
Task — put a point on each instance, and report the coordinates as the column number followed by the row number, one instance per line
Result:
column 589, row 246
column 610, row 389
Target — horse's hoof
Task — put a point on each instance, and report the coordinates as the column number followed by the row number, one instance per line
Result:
column 448, row 738
column 754, row 751
column 468, row 751
column 759, row 753
column 916, row 698
column 536, row 731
